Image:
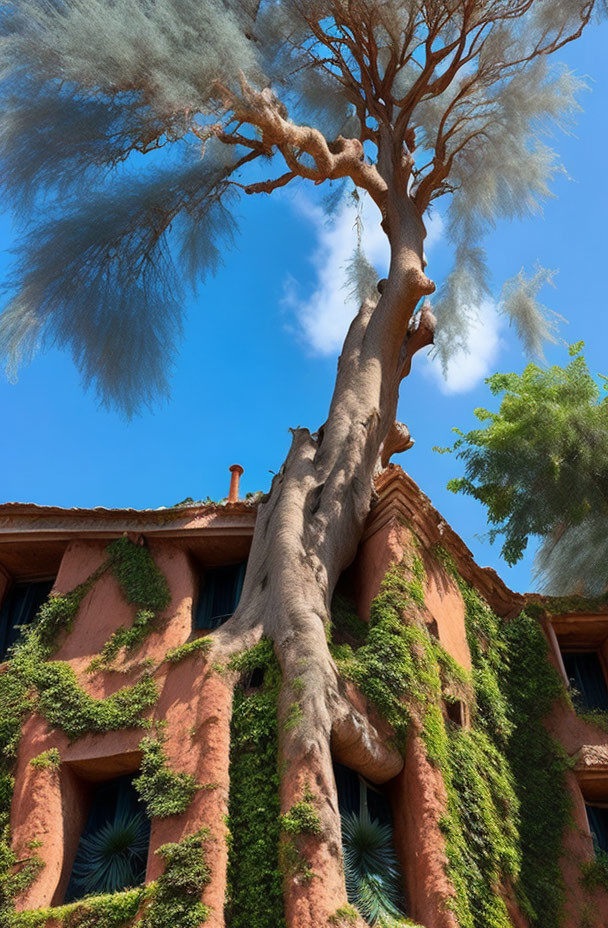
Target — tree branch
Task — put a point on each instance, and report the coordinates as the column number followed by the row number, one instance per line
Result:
column 417, row 338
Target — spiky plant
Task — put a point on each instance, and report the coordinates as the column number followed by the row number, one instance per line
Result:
column 114, row 856
column 371, row 869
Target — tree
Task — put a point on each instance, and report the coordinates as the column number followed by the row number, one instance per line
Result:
column 409, row 100
column 540, row 467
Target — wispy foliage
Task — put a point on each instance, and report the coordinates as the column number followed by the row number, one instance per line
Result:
column 458, row 301
column 324, row 90
column 539, row 465
column 361, row 277
column 114, row 299
column 535, row 324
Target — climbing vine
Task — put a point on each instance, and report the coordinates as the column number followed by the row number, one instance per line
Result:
column 255, row 897
column 109, row 911
column 175, row 898
column 163, row 791
column 172, row 901
column 507, row 800
column 31, row 682
column 50, row 759
column 144, row 586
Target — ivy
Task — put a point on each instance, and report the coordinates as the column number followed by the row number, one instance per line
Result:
column 255, row 897
column 182, row 651
column 144, row 586
column 15, row 875
column 173, row 901
column 66, row 705
column 345, row 915
column 396, row 666
column 50, row 758
column 163, row 791
column 595, row 872
column 539, row 766
column 175, row 898
column 108, row 911
column 17, row 699
column 302, row 817
column 345, row 622
column 507, row 801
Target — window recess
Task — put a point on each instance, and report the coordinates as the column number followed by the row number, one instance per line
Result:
column 585, row 672
column 219, row 596
column 19, row 608
column 371, row 867
column 113, row 847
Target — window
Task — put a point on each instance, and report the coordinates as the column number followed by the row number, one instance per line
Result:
column 19, row 608
column 598, row 826
column 356, row 795
column 456, row 712
column 219, row 596
column 113, row 847
column 586, row 675
column 371, row 867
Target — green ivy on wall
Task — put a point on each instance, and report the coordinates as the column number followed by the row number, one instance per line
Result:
column 109, row 911
column 172, row 901
column 507, row 800
column 255, row 896
column 144, row 586
column 163, row 791
column 32, row 682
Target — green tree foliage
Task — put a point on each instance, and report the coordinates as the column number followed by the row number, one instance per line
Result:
column 540, row 466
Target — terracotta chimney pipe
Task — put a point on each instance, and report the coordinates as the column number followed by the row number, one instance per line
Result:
column 235, row 475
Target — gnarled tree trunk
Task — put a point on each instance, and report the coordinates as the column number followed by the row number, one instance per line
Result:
column 307, row 532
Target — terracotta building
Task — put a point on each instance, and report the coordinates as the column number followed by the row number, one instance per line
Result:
column 131, row 768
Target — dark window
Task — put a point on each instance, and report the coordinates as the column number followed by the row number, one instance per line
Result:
column 219, row 595
column 371, row 866
column 356, row 795
column 598, row 825
column 113, row 846
column 586, row 675
column 455, row 712
column 19, row 608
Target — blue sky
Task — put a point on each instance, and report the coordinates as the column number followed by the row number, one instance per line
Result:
column 258, row 356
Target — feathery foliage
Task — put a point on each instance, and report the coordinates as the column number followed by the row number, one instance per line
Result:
column 539, row 467
column 121, row 98
column 371, row 868
column 113, row 857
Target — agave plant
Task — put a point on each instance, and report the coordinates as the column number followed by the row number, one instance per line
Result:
column 371, row 869
column 114, row 856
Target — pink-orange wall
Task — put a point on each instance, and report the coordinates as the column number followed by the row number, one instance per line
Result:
column 51, row 805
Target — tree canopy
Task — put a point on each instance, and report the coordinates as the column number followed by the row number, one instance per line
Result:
column 129, row 127
column 540, row 467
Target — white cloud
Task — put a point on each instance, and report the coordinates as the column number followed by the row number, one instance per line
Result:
column 468, row 368
column 324, row 316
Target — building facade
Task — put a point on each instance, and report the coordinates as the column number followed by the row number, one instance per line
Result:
column 142, row 781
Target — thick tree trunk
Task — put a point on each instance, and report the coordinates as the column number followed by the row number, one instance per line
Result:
column 306, row 533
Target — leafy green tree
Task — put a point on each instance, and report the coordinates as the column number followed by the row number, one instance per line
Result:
column 540, row 466
column 108, row 106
